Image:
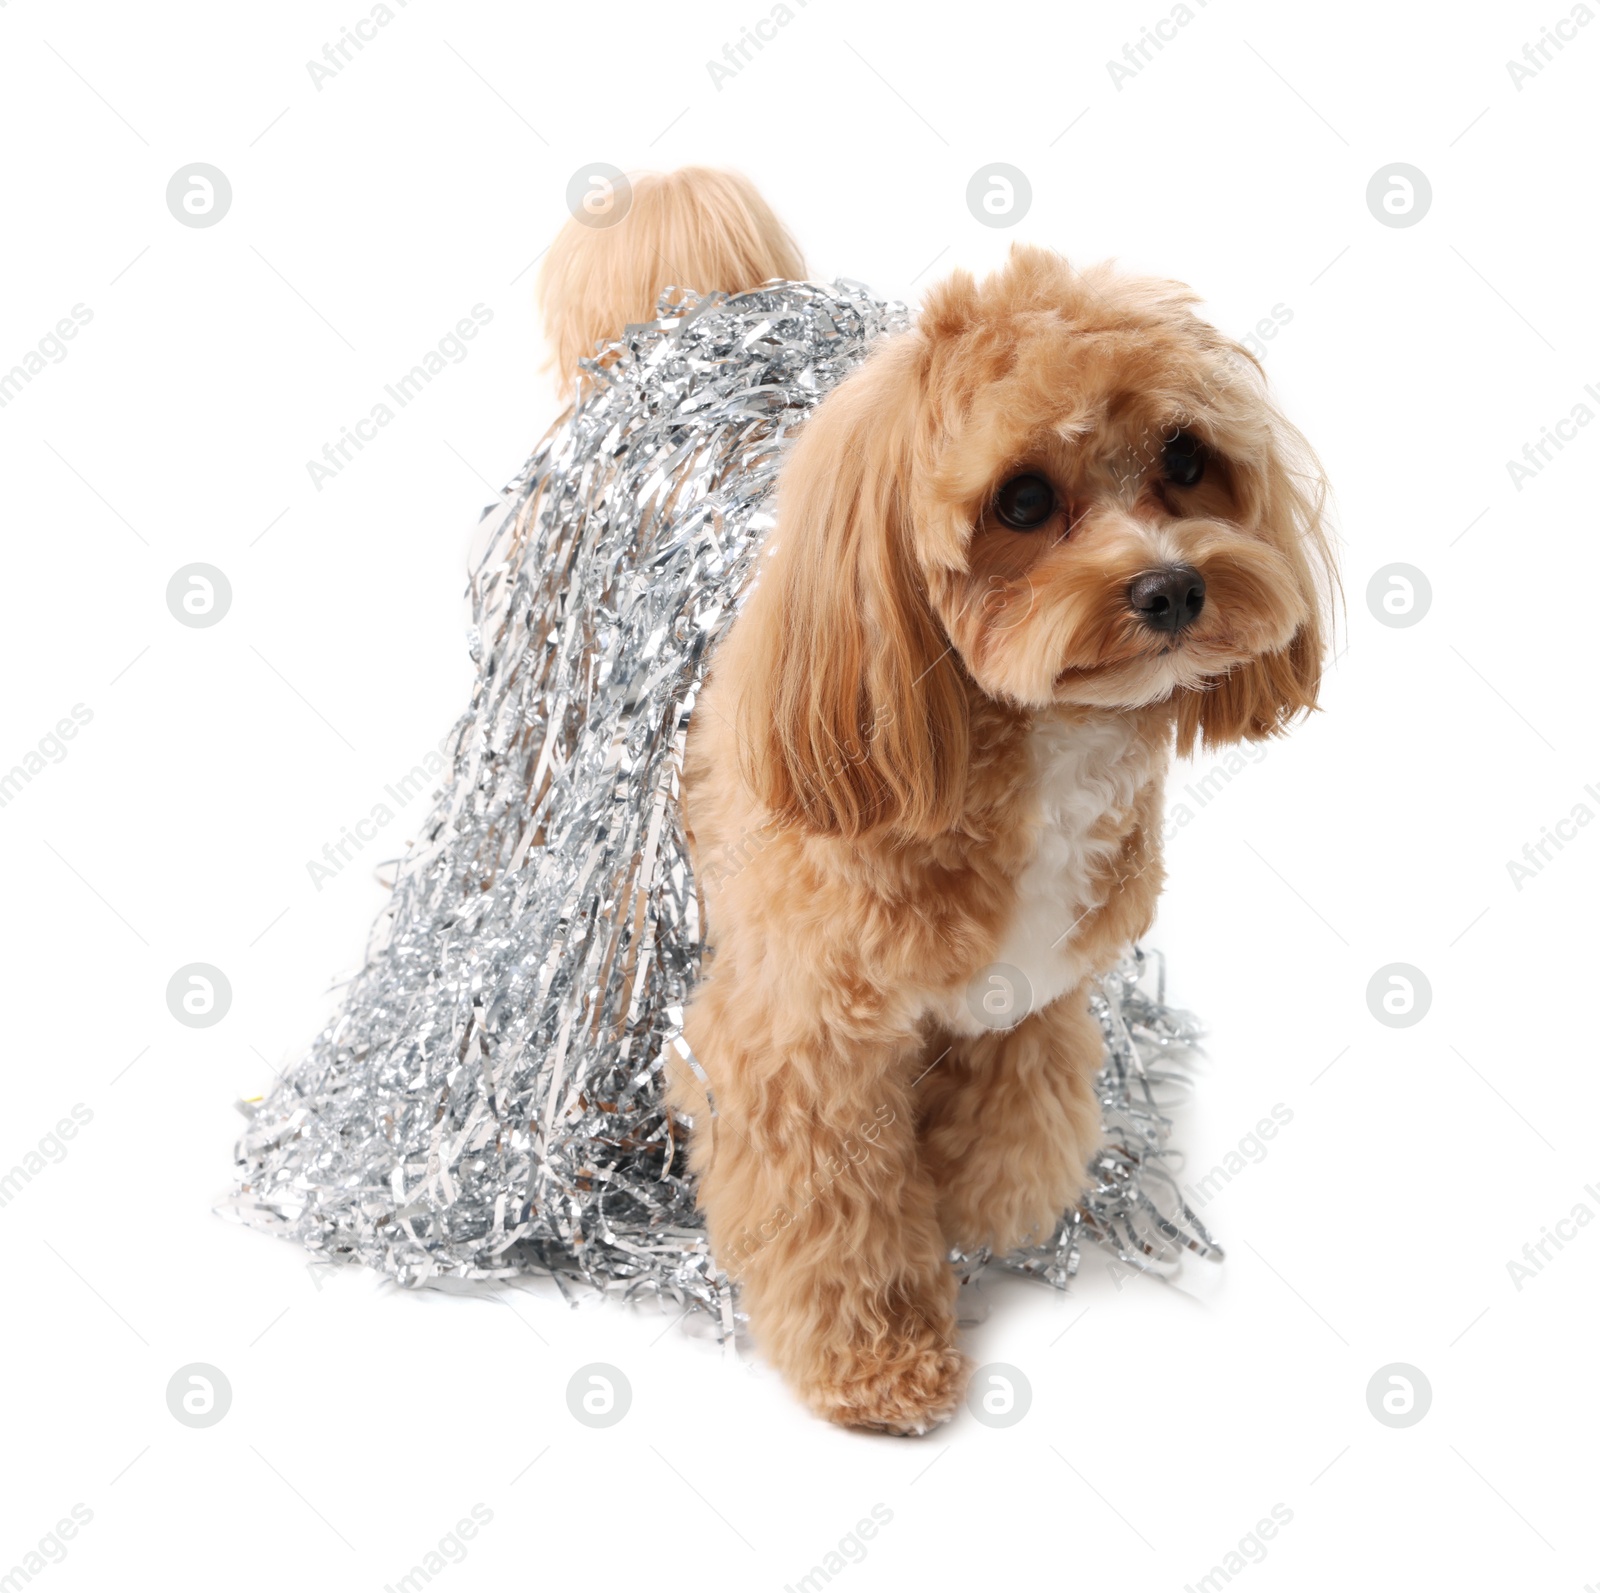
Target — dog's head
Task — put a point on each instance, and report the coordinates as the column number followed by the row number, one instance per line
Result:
column 1062, row 488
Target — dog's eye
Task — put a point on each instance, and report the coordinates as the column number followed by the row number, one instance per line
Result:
column 1183, row 459
column 1025, row 502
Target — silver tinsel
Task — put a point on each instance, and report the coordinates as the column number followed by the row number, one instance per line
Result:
column 487, row 1102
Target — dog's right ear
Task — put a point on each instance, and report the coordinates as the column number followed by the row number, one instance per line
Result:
column 853, row 713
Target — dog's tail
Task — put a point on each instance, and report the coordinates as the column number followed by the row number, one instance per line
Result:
column 702, row 230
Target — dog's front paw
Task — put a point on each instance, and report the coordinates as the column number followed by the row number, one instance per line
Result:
column 1005, row 1212
column 908, row 1391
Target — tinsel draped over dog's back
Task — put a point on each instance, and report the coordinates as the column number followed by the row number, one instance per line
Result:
column 488, row 1099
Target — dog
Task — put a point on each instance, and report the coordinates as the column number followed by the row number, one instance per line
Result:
column 1026, row 552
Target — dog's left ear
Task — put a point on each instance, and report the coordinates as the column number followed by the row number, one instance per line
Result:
column 1264, row 697
column 1258, row 700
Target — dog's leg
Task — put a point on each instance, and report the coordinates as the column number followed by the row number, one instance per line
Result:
column 819, row 1205
column 1009, row 1124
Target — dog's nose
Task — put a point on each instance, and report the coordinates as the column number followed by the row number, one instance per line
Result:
column 1170, row 599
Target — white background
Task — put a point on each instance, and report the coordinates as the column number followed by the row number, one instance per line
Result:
column 368, row 216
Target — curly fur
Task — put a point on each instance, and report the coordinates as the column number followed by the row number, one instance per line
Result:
column 932, row 746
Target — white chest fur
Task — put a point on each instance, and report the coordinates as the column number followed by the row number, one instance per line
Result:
column 1082, row 771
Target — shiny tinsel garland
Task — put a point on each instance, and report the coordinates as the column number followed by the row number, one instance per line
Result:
column 488, row 1100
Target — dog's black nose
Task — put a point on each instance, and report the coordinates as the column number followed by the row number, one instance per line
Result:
column 1170, row 599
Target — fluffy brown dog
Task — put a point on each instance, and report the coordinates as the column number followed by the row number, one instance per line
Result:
column 1025, row 552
